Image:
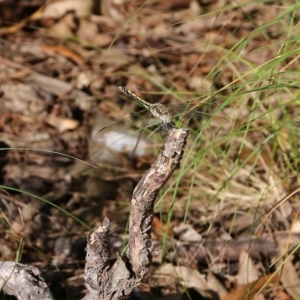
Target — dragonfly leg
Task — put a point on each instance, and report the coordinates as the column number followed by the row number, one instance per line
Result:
column 171, row 125
column 167, row 126
column 164, row 127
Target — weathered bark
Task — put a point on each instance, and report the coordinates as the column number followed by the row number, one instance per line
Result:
column 23, row 281
column 108, row 279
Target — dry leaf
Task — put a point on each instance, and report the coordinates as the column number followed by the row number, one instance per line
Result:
column 59, row 8
column 247, row 271
column 70, row 54
column 259, row 158
column 296, row 226
column 187, row 233
column 62, row 124
column 283, row 139
column 188, row 277
column 289, row 276
column 248, row 291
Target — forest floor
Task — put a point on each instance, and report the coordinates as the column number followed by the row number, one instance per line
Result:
column 228, row 218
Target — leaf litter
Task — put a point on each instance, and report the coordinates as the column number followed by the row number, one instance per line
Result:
column 59, row 68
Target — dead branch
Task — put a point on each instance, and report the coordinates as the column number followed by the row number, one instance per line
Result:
column 23, row 281
column 106, row 278
column 115, row 279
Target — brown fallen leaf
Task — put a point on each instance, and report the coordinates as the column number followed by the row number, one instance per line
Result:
column 16, row 27
column 102, row 40
column 57, row 9
column 283, row 139
column 174, row 4
column 248, row 291
column 247, row 269
column 289, row 275
column 256, row 158
column 282, row 295
column 62, row 124
column 65, row 52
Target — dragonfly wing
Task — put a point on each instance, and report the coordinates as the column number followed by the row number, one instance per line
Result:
column 120, row 136
column 117, row 128
column 114, row 129
column 215, row 119
column 144, row 125
column 191, row 109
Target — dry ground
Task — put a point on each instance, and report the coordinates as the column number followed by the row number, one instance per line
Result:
column 227, row 218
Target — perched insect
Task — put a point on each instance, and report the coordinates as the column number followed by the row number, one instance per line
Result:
column 164, row 113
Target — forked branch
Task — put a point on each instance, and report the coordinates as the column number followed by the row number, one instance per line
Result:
column 108, row 279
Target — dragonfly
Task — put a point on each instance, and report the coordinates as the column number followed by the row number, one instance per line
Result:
column 160, row 111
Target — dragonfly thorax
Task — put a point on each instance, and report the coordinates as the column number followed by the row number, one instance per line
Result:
column 161, row 112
